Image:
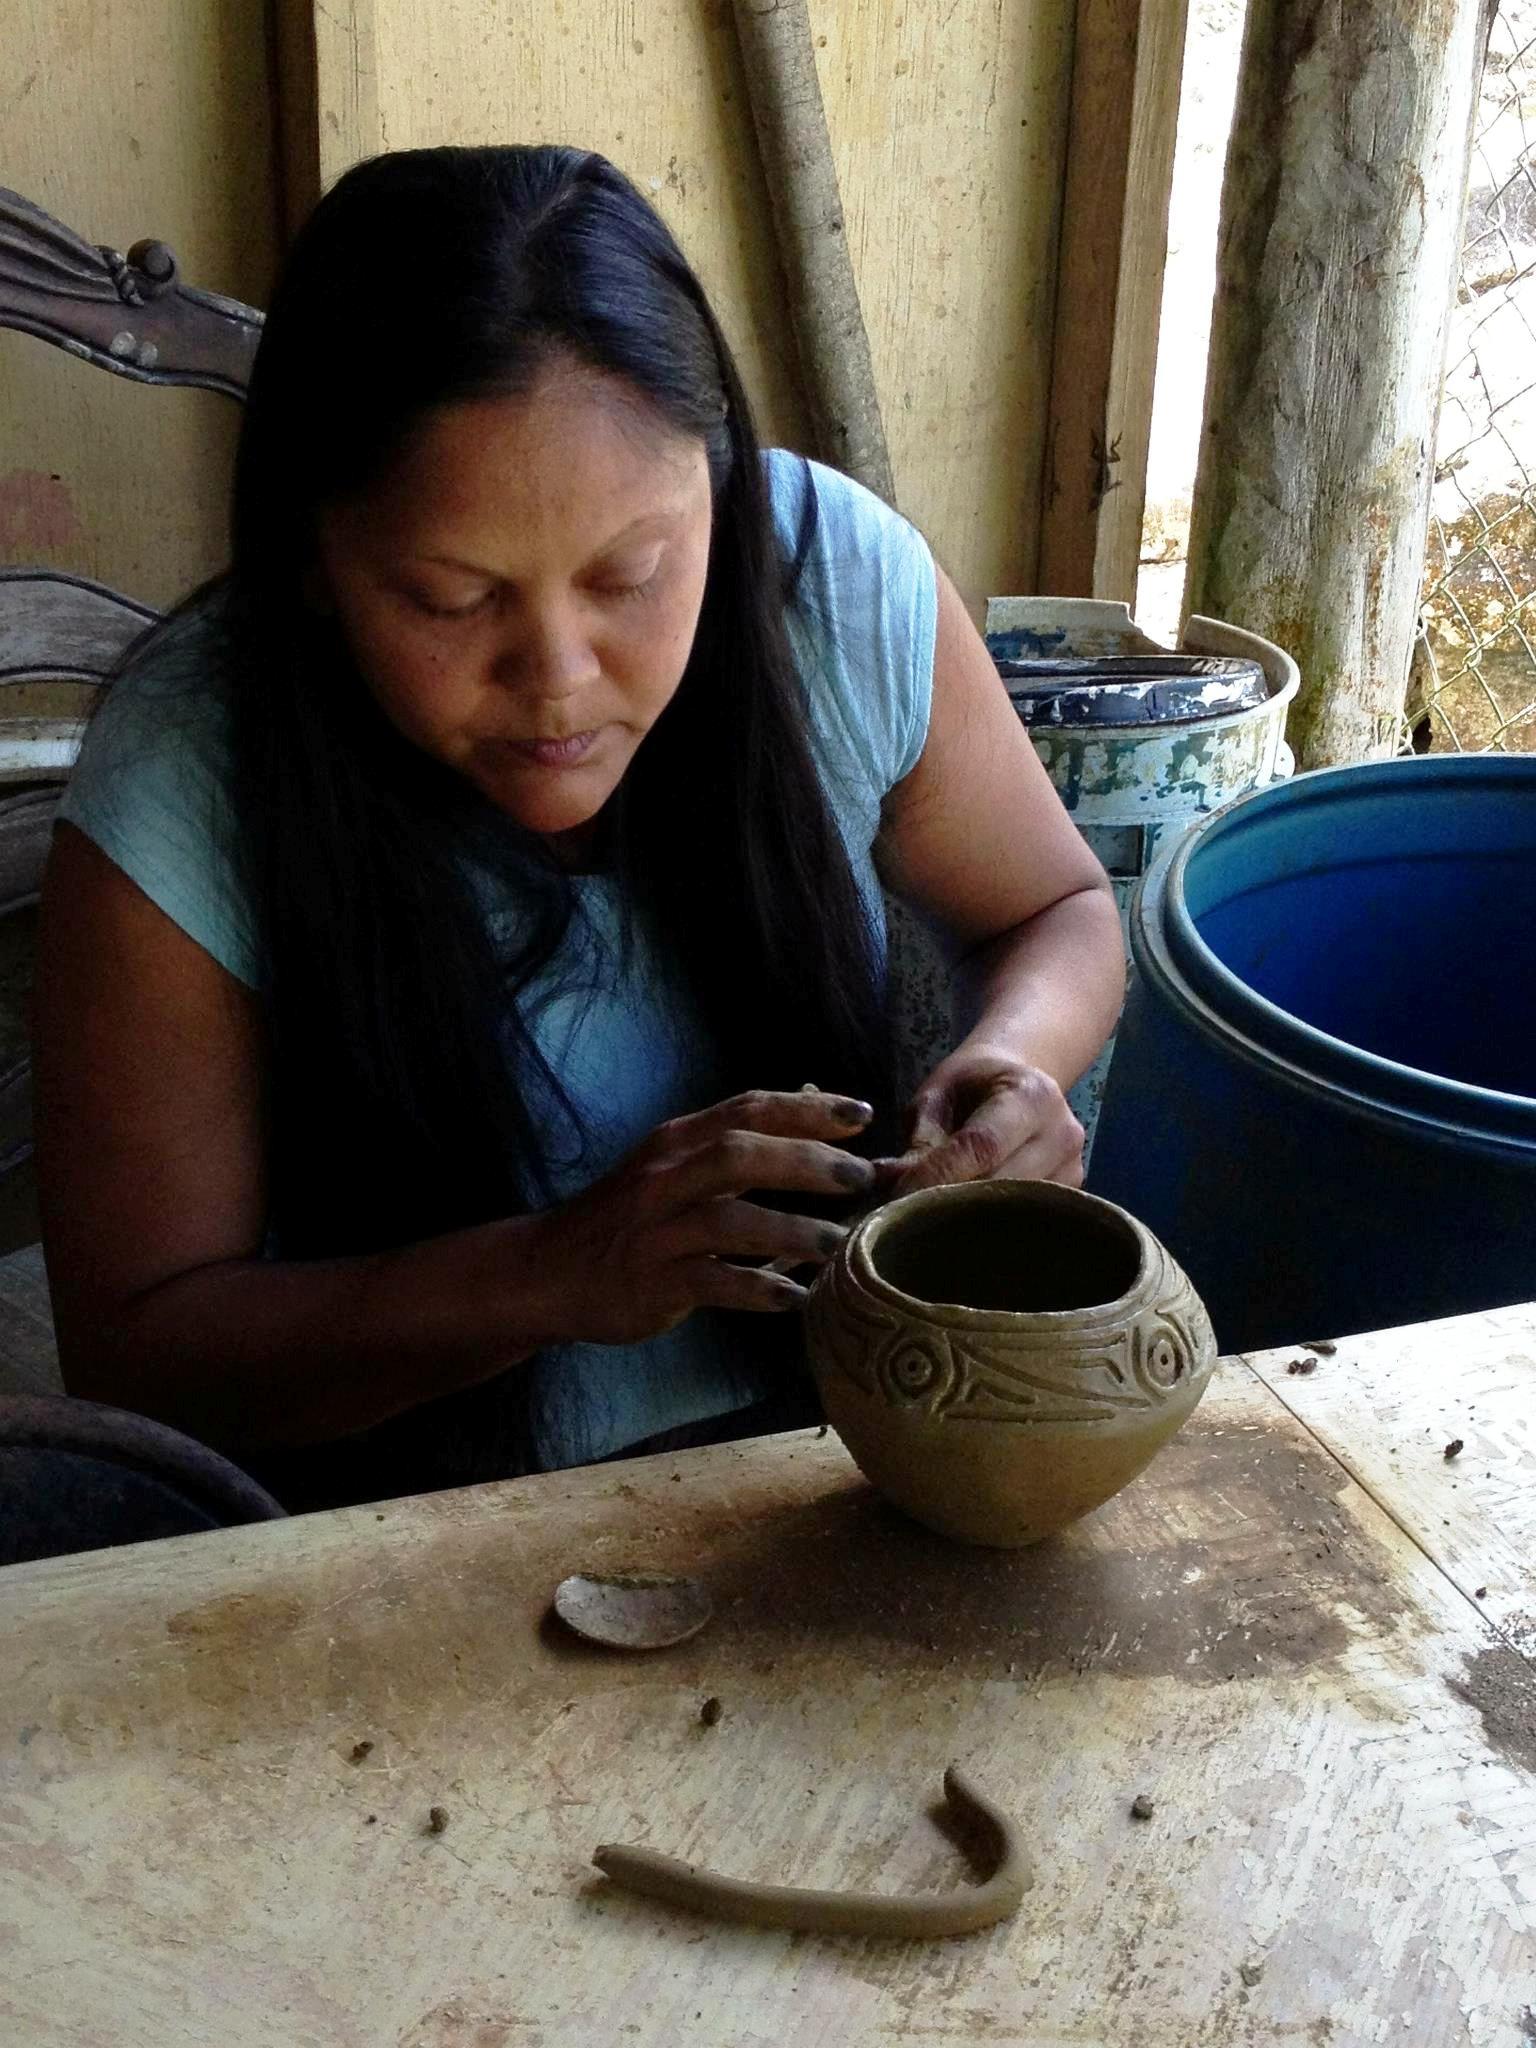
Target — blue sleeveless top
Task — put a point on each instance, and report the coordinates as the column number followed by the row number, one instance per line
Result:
column 152, row 790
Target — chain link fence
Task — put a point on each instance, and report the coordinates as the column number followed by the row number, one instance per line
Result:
column 1473, row 686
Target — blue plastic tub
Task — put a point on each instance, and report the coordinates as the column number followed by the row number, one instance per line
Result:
column 1324, row 1094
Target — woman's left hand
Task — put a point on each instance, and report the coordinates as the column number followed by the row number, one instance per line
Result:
column 986, row 1116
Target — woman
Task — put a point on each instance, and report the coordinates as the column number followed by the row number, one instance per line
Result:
column 452, row 902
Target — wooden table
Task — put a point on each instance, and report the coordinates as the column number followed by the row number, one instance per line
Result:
column 1304, row 1633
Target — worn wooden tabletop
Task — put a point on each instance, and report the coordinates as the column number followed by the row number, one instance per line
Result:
column 1305, row 1634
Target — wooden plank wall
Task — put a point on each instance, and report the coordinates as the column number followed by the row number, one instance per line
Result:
column 951, row 130
column 146, row 118
column 949, row 127
column 1126, row 75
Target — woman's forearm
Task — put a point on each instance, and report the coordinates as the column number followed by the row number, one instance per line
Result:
column 1049, row 991
column 250, row 1353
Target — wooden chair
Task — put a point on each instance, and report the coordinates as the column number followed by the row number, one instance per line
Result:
column 62, row 636
column 80, row 1475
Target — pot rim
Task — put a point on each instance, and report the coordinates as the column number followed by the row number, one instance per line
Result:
column 1026, row 1194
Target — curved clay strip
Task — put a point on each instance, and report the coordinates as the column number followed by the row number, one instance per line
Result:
column 923, row 1916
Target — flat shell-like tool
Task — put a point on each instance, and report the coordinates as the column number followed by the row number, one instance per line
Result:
column 633, row 1610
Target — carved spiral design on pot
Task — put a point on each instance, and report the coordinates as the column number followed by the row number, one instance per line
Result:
column 1163, row 1358
column 917, row 1370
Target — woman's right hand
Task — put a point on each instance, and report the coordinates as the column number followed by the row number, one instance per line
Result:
column 658, row 1236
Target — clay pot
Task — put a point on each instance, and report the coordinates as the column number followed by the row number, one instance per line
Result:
column 1001, row 1357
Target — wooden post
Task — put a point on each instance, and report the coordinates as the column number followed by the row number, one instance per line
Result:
column 296, row 111
column 1340, row 233
column 326, row 68
column 1127, row 64
column 796, row 149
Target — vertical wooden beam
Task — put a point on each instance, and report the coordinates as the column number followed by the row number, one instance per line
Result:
column 295, row 111
column 779, row 59
column 1340, row 233
column 326, row 69
column 1127, row 66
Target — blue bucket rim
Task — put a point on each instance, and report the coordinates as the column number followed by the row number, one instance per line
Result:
column 1314, row 1055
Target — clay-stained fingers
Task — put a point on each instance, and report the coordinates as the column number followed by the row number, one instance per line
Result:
column 735, row 1229
column 807, row 1113
column 732, row 1161
column 1012, row 1134
column 716, row 1283
column 803, row 1113
column 1053, row 1153
column 1070, row 1173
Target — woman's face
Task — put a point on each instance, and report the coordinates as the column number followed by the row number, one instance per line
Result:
column 520, row 590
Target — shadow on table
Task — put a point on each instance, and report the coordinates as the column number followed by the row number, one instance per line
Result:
column 1230, row 1558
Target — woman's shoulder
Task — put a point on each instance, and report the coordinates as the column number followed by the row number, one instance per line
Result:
column 188, row 637
column 863, row 616
column 163, row 722
column 152, row 786
column 850, row 520
column 176, row 681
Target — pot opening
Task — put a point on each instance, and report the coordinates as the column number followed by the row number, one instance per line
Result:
column 1025, row 1258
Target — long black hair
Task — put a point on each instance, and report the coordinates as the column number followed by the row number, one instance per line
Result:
column 400, row 1068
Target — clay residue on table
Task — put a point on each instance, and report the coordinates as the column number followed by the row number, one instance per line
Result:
column 1258, row 1576
column 1502, row 1687
column 1236, row 1561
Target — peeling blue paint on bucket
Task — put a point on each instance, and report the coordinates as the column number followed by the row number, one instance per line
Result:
column 1324, row 1094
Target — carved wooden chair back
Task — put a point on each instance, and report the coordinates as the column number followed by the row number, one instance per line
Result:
column 61, row 636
